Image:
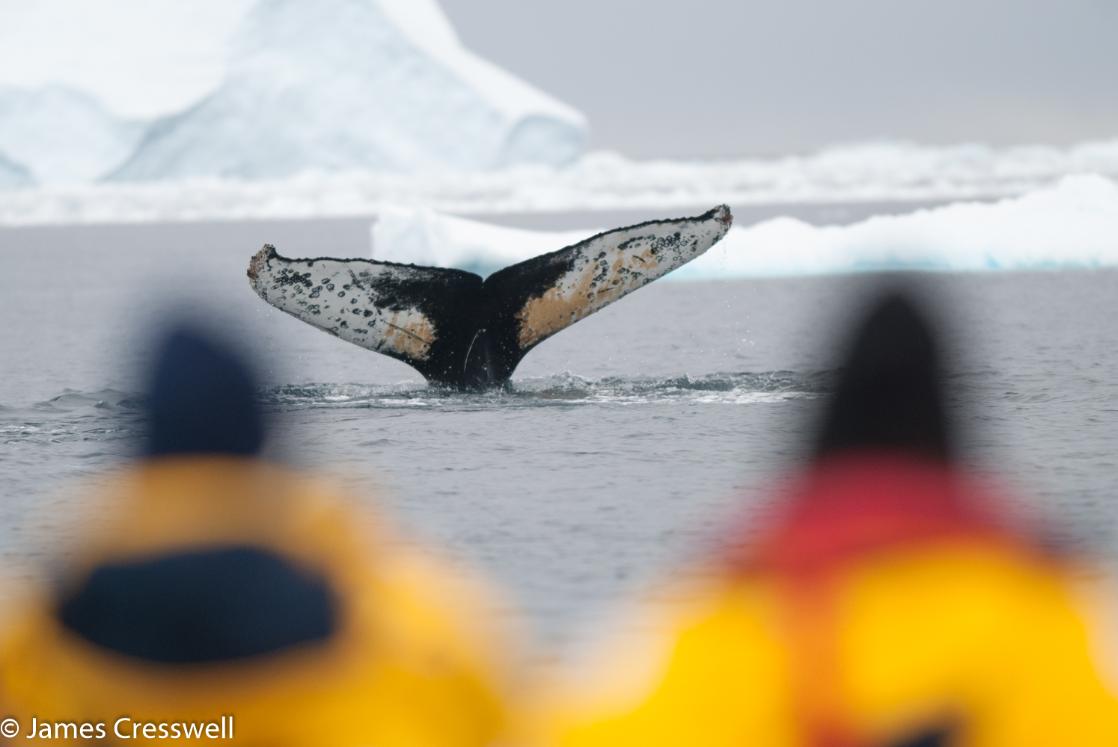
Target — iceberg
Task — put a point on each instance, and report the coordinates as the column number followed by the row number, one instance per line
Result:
column 13, row 175
column 1072, row 224
column 62, row 136
column 352, row 85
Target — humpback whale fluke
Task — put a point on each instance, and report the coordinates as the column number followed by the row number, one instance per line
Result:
column 457, row 329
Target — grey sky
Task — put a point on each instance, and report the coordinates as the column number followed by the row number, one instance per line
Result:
column 724, row 77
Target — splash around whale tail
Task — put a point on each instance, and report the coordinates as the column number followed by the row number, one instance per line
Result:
column 456, row 328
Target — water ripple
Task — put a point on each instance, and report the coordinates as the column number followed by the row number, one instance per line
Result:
column 111, row 414
column 565, row 389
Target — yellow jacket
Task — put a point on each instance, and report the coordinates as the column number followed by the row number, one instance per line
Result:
column 886, row 603
column 409, row 664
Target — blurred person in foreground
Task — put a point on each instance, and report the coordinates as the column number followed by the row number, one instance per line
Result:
column 225, row 586
column 890, row 600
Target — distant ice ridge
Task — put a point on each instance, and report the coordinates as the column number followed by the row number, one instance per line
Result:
column 1071, row 224
column 884, row 172
column 62, row 136
column 378, row 85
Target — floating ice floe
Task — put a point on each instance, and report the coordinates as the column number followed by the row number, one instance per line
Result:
column 378, row 85
column 1071, row 224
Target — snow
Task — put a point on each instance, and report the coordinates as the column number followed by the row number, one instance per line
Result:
column 1073, row 223
column 378, row 85
column 62, row 136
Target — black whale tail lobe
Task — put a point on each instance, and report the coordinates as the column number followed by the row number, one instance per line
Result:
column 460, row 330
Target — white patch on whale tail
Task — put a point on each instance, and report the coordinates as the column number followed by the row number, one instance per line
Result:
column 370, row 304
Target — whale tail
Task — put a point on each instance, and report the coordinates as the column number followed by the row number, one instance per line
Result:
column 456, row 328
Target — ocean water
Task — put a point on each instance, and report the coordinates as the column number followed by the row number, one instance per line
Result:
column 624, row 447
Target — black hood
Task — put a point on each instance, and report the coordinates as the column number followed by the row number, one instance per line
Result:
column 889, row 394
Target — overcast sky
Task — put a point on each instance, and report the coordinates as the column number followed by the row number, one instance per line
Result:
column 668, row 77
column 705, row 77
